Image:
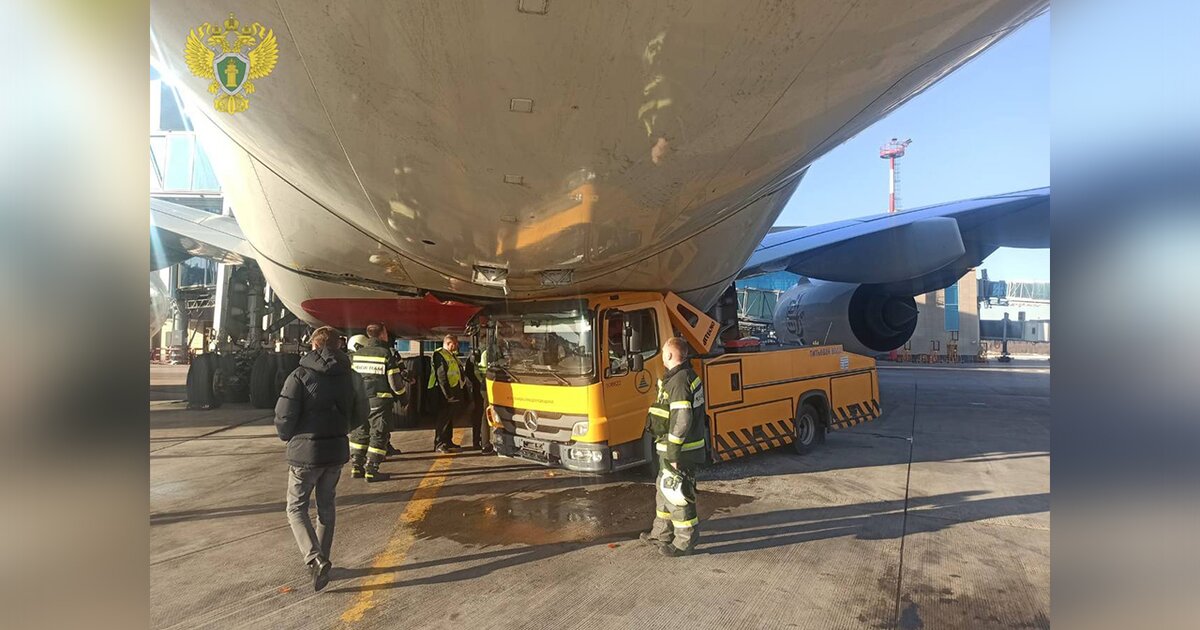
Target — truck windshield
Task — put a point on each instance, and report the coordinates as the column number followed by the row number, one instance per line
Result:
column 557, row 344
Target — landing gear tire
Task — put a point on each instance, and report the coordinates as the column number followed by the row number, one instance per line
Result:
column 204, row 382
column 809, row 430
column 263, row 392
column 288, row 362
column 237, row 389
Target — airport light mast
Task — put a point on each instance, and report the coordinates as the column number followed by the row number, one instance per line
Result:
column 893, row 151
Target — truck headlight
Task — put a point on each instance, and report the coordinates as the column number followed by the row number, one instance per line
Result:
column 580, row 428
column 585, row 455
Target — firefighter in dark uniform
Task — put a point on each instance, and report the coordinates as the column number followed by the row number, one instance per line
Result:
column 383, row 375
column 446, row 378
column 676, row 420
column 481, row 434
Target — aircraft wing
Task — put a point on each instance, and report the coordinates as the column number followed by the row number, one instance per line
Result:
column 909, row 252
column 178, row 232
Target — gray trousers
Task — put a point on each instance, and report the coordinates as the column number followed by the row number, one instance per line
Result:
column 301, row 484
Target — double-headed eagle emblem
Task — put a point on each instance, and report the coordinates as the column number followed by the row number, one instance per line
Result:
column 215, row 52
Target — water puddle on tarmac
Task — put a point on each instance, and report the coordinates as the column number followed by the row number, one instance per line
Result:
column 583, row 514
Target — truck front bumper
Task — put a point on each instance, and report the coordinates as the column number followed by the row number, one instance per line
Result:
column 578, row 456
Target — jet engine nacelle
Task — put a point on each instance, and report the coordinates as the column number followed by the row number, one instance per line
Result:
column 860, row 317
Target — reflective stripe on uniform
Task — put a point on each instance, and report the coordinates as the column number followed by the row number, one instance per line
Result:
column 674, row 439
column 681, row 404
column 382, row 395
column 661, row 514
column 659, row 446
column 371, row 369
column 377, row 451
column 691, row 446
column 695, row 383
column 687, row 523
column 358, row 447
column 662, row 413
column 395, row 370
column 370, row 358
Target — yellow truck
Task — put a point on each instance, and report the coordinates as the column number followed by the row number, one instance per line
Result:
column 569, row 382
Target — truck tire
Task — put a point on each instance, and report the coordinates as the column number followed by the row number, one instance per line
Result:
column 809, row 429
column 203, row 383
column 262, row 381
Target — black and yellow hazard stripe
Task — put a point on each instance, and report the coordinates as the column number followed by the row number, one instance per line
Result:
column 855, row 414
column 753, row 440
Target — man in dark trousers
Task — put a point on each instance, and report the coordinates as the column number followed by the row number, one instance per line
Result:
column 481, row 431
column 382, row 373
column 319, row 403
column 447, row 379
column 676, row 420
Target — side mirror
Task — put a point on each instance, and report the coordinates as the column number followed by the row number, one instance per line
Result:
column 636, row 362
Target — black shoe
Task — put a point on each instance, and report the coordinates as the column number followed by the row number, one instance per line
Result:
column 487, row 450
column 356, row 471
column 444, row 448
column 392, row 450
column 319, row 568
column 372, row 474
column 651, row 540
column 454, row 447
column 671, row 551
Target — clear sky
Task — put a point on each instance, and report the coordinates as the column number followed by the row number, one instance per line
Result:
column 983, row 130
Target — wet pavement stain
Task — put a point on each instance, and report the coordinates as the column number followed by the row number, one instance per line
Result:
column 583, row 514
column 910, row 619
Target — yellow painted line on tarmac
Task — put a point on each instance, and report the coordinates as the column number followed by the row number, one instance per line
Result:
column 397, row 548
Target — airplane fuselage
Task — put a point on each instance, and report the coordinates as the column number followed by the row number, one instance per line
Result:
column 484, row 150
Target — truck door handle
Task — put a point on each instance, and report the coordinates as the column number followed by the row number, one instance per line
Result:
column 735, row 382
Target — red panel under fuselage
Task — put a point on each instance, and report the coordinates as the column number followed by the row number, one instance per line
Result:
column 405, row 318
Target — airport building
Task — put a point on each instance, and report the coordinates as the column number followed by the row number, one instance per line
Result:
column 1025, row 304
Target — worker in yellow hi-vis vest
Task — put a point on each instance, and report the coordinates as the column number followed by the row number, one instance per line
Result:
column 446, row 378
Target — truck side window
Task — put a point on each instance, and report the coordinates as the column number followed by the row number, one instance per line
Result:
column 648, row 324
column 642, row 320
column 614, row 326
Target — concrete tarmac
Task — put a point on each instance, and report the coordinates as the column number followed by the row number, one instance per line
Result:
column 935, row 516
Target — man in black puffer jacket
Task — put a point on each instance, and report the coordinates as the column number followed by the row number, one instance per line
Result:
column 321, row 401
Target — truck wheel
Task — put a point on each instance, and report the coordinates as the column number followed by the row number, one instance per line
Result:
column 262, row 381
column 809, row 430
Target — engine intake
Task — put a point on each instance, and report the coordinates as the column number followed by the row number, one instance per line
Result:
column 860, row 317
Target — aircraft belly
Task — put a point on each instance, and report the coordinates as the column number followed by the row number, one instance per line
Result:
column 413, row 141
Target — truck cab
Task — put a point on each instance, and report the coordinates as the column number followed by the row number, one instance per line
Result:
column 569, row 381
